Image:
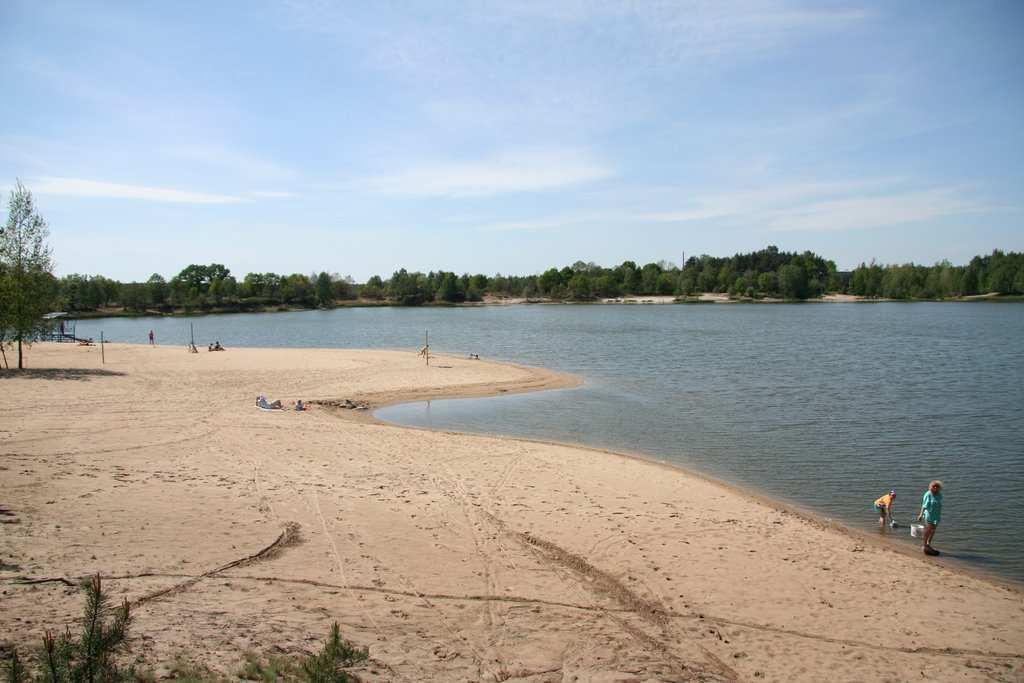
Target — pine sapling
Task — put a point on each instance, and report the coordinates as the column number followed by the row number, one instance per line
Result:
column 15, row 670
column 326, row 666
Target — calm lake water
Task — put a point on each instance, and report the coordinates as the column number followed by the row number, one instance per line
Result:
column 823, row 405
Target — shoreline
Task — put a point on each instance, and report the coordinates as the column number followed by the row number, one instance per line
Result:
column 788, row 507
column 543, row 379
column 650, row 300
column 451, row 556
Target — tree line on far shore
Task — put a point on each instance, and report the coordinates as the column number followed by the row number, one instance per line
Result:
column 765, row 274
column 28, row 288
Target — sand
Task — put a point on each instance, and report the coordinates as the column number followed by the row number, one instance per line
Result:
column 450, row 556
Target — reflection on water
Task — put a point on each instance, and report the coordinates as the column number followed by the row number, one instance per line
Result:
column 824, row 405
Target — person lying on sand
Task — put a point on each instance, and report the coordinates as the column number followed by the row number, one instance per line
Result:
column 262, row 402
column 883, row 506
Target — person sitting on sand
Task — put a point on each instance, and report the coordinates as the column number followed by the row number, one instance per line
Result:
column 299, row 405
column 883, row 506
column 209, row 347
column 931, row 511
column 217, row 346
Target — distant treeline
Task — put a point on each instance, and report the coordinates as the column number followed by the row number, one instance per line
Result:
column 768, row 273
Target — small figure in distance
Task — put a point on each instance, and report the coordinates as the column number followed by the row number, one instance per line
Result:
column 192, row 347
column 299, row 405
column 217, row 346
column 152, row 338
column 262, row 402
column 474, row 356
column 209, row 347
column 931, row 511
column 883, row 506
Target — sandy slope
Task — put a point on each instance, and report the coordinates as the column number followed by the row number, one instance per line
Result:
column 452, row 557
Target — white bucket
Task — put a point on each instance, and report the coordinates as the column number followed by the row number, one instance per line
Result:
column 917, row 530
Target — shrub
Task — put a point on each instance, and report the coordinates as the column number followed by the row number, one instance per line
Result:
column 326, row 666
column 86, row 659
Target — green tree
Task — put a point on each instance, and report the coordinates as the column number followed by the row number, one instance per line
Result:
column 792, row 281
column 687, row 284
column 631, row 278
column 409, row 289
column 768, row 283
column 89, row 658
column 450, row 289
column 605, row 285
column 27, row 286
column 157, row 289
column 327, row 666
column 649, row 276
column 549, row 281
column 579, row 286
column 324, row 290
column 373, row 289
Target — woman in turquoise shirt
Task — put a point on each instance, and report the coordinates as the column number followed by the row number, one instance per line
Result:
column 931, row 511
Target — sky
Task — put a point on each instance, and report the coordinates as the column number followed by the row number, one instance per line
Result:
column 511, row 136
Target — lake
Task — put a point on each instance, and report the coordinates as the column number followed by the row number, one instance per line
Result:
column 826, row 406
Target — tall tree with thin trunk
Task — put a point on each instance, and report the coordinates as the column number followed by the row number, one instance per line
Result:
column 26, row 265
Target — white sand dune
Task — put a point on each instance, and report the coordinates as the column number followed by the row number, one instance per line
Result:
column 452, row 557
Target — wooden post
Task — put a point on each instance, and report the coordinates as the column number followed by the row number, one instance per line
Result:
column 103, row 355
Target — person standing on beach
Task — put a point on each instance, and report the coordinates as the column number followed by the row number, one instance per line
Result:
column 152, row 338
column 931, row 511
column 883, row 506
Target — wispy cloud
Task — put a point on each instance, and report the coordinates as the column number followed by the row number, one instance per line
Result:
column 830, row 206
column 553, row 223
column 809, row 206
column 268, row 194
column 529, row 172
column 761, row 200
column 872, row 212
column 78, row 187
column 238, row 163
column 669, row 30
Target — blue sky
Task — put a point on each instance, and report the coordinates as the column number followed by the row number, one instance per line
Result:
column 510, row 136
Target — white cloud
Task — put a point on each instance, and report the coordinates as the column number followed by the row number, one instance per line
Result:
column 871, row 212
column 241, row 164
column 267, row 194
column 539, row 224
column 828, row 206
column 77, row 187
column 511, row 173
column 809, row 206
column 759, row 201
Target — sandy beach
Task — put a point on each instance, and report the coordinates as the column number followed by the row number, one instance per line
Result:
column 450, row 556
